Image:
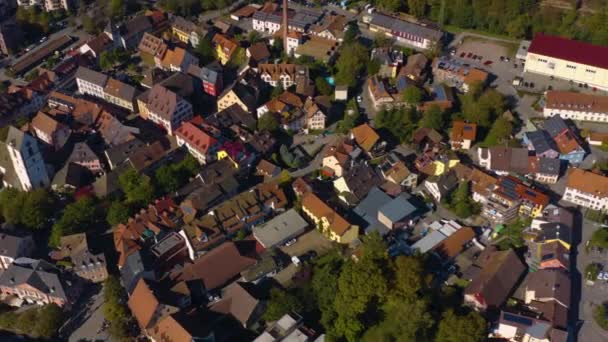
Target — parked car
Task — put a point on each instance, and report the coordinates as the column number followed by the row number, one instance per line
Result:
column 290, row 242
column 296, row 261
column 359, row 99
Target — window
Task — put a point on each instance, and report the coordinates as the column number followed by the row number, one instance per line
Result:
column 590, row 71
column 570, row 66
column 542, row 60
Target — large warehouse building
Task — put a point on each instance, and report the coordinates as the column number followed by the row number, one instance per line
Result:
column 568, row 59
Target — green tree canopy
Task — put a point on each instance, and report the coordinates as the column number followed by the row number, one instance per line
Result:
column 500, row 132
column 48, row 321
column 323, row 87
column 433, row 118
column 412, row 95
column 205, row 50
column 137, row 188
column 280, row 303
column 77, row 217
column 353, row 58
column 118, row 213
column 31, row 209
column 351, row 117
column 268, row 122
column 456, row 328
column 399, row 122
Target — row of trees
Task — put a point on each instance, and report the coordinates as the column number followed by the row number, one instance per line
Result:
column 377, row 299
column 42, row 322
column 516, row 18
column 116, row 312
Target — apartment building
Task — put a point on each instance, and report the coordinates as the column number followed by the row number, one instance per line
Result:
column 50, row 130
column 456, row 74
column 21, row 162
column 269, row 18
column 417, row 35
column 568, row 59
column 167, row 109
column 283, row 74
column 332, row 224
column 99, row 85
column 224, row 47
column 586, row 189
column 576, row 106
column 199, row 138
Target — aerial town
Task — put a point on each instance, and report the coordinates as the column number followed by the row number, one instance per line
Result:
column 299, row 171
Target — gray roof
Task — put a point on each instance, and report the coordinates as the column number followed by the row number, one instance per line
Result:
column 132, row 271
column 555, row 125
column 549, row 166
column 15, row 137
column 91, row 76
column 10, row 245
column 36, row 273
column 398, row 208
column 541, row 141
column 9, row 176
column 281, row 228
column 71, row 174
column 119, row 153
column 447, row 182
column 429, row 241
column 394, row 24
column 368, row 210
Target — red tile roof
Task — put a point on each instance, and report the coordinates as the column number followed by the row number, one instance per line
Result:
column 570, row 50
column 195, row 137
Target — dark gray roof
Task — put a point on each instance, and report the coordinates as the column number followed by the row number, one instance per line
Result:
column 555, row 125
column 549, row 166
column 11, row 244
column 72, row 174
column 233, row 115
column 447, row 182
column 245, row 94
column 398, row 208
column 91, row 76
column 360, row 178
column 541, row 141
column 132, row 271
column 36, row 273
column 394, row 24
column 119, row 153
column 368, row 210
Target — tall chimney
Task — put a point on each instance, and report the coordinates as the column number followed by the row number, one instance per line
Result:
column 285, row 27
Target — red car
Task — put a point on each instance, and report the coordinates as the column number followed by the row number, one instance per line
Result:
column 487, row 63
column 469, row 55
column 462, row 55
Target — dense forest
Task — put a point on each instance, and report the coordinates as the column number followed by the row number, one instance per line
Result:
column 515, row 18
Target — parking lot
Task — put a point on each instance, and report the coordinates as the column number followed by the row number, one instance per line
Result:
column 309, row 241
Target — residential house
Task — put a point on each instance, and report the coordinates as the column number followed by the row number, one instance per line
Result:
column 238, row 302
column 436, row 161
column 519, row 327
column 112, row 130
column 147, row 308
column 50, row 130
column 210, row 76
column 319, row 49
column 287, row 108
column 482, row 185
column 71, row 177
column 99, row 85
column 341, row 93
column 240, row 94
column 315, row 118
column 494, row 275
column 37, row 282
column 294, row 41
column 413, row 34
column 545, row 170
column 74, row 250
column 541, row 143
column 398, row 173
column 441, row 186
column 456, row 74
column 333, row 225
column 178, row 59
column 152, row 49
column 382, row 213
column 13, row 246
column 332, row 27
column 356, row 182
column 128, row 34
column 587, row 189
column 462, row 135
column 283, row 74
column 165, row 108
column 120, row 94
column 91, row 82
column 576, row 106
column 268, row 19
column 83, row 155
column 238, row 153
column 504, row 160
column 435, row 240
column 366, row 137
column 218, row 267
column 379, row 93
column 186, row 31
column 454, row 244
column 179, row 83
column 280, row 229
column 548, row 293
column 258, row 53
column 415, row 68
column 225, row 47
column 267, row 169
column 96, row 46
column 287, row 328
column 337, row 158
column 389, row 59
column 567, row 141
column 200, row 139
column 21, row 162
column 511, row 199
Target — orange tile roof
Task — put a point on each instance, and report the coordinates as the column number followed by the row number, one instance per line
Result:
column 475, row 75
column 174, row 57
column 228, row 45
column 566, row 142
column 454, row 244
column 45, row 123
column 143, row 304
column 576, row 101
column 463, row 131
column 196, row 137
column 482, row 183
column 587, row 182
column 365, row 136
column 319, row 209
column 169, row 330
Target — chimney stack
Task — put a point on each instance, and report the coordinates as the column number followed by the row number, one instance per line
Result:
column 285, row 27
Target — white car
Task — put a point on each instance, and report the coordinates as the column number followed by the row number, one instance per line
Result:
column 359, row 99
column 290, row 242
column 295, row 260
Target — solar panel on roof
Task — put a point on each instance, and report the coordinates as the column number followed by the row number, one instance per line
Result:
column 517, row 319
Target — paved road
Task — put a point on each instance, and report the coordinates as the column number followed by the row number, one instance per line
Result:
column 87, row 318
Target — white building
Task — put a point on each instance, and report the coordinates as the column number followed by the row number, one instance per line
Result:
column 26, row 164
column 167, row 109
column 587, row 189
column 413, row 34
column 567, row 59
column 91, row 82
column 576, row 106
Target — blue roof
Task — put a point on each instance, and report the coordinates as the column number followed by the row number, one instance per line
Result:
column 540, row 141
column 398, row 208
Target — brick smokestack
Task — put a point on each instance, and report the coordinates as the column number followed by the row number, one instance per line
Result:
column 285, row 27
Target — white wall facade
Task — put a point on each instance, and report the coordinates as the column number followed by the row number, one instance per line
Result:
column 568, row 70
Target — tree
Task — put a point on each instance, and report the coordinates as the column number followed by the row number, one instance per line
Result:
column 117, row 213
column 137, row 188
column 117, row 9
column 390, row 5
column 268, row 122
column 239, row 57
column 432, row 118
column 412, row 95
column 461, row 203
column 456, row 328
column 323, row 87
column 254, row 37
column 353, row 58
column 205, row 51
column 277, row 91
column 352, row 31
column 167, row 178
column 11, row 201
column 325, row 285
column 48, row 321
column 78, row 216
column 599, row 238
column 351, row 117
column 37, row 208
column 499, row 133
column 416, row 7
column 26, row 320
column 89, row 25
column 280, row 303
column 114, row 309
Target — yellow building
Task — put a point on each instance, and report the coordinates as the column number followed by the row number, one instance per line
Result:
column 239, row 95
column 567, row 59
column 224, row 47
column 334, row 226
